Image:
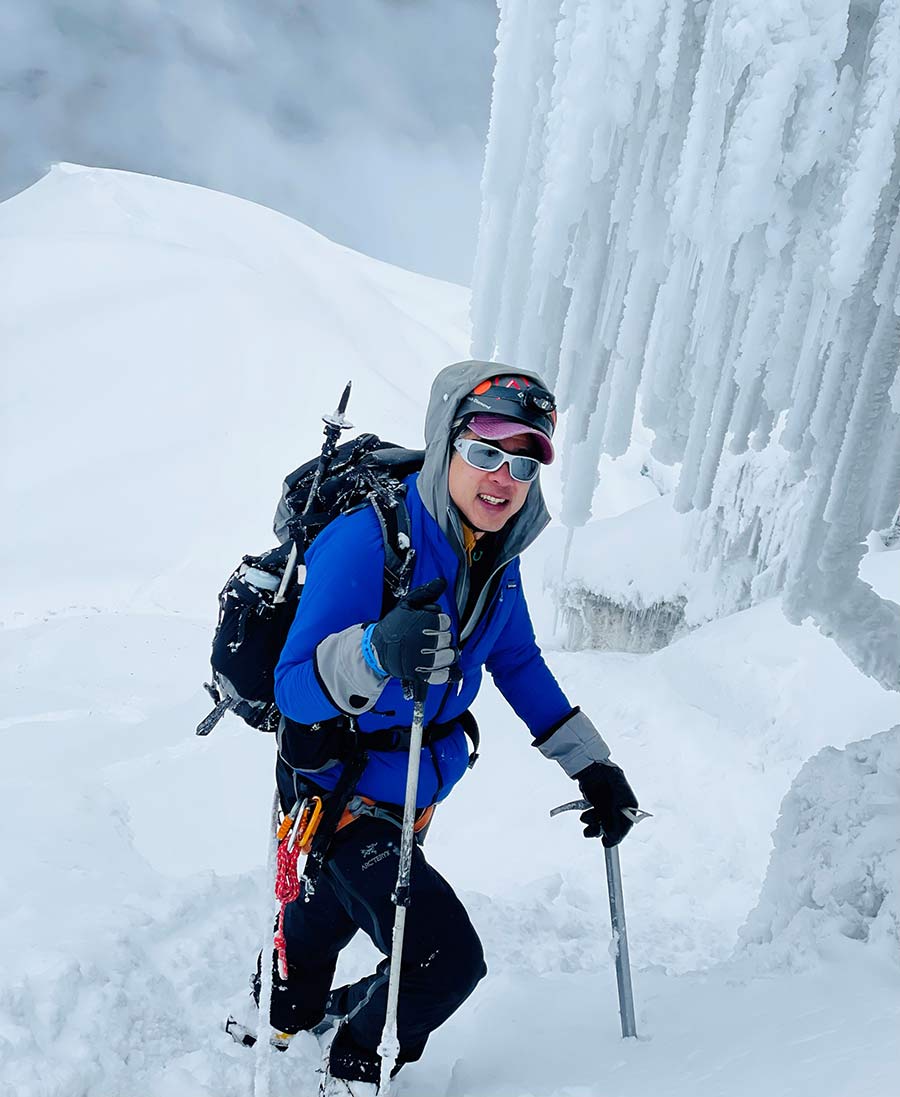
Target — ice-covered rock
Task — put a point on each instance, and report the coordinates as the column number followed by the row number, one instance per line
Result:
column 622, row 584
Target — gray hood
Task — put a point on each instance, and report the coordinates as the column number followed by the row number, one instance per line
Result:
column 449, row 387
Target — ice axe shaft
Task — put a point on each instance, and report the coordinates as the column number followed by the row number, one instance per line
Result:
column 616, row 916
column 620, row 941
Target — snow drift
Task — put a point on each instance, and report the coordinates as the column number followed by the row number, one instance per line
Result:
column 835, row 869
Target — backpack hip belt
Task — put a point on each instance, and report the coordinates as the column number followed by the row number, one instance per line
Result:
column 308, row 749
column 397, row 738
column 360, row 806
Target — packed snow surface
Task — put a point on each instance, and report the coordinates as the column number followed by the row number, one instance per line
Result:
column 692, row 208
column 168, row 353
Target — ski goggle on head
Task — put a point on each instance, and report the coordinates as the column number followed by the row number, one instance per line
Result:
column 489, row 458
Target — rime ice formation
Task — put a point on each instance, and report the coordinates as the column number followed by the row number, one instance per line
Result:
column 693, row 207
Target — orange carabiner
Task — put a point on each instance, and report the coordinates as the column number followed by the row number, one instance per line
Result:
column 304, row 830
column 284, row 828
column 300, row 823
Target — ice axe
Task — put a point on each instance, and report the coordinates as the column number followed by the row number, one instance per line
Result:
column 616, row 915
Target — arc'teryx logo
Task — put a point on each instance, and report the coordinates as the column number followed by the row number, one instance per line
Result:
column 371, row 856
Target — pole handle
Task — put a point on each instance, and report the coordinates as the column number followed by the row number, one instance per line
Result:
column 338, row 421
column 416, row 689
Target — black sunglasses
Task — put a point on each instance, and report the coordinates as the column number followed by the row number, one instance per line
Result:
column 488, row 458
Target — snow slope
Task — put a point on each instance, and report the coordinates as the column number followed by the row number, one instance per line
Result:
column 168, row 353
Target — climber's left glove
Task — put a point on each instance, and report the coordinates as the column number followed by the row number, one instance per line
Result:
column 579, row 748
column 605, row 785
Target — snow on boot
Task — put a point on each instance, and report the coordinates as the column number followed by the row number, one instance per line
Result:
column 344, row 1087
column 246, row 1037
column 243, row 1021
column 350, row 1070
column 240, row 1033
column 281, row 1040
column 242, row 1026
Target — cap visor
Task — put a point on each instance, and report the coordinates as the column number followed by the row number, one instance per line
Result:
column 496, row 428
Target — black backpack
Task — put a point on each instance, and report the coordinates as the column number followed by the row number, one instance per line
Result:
column 258, row 603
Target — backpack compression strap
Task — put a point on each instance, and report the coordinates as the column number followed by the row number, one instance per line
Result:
column 399, row 555
column 397, row 738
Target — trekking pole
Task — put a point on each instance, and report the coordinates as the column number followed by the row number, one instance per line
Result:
column 389, row 1048
column 334, row 424
column 263, row 1059
column 616, row 916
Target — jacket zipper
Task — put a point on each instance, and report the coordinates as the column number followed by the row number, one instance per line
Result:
column 478, row 610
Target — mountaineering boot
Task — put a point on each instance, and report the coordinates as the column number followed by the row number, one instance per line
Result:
column 247, row 1037
column 335, row 1012
column 343, row 1087
column 242, row 1025
column 350, row 1070
column 243, row 1021
column 280, row 1040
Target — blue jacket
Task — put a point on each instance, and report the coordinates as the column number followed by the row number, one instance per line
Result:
column 344, row 583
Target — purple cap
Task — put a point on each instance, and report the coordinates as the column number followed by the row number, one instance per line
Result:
column 497, row 427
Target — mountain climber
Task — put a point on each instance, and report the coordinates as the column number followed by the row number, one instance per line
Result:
column 473, row 508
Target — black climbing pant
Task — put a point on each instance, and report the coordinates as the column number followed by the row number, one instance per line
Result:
column 442, row 955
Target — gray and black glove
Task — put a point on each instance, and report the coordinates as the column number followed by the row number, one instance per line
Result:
column 604, row 784
column 413, row 641
column 579, row 748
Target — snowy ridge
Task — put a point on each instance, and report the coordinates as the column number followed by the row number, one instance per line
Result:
column 346, row 116
column 203, row 368
column 693, row 207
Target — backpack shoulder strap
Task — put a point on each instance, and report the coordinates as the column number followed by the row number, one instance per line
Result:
column 399, row 554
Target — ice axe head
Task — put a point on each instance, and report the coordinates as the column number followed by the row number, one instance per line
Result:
column 634, row 814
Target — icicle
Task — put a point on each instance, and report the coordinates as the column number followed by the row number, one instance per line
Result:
column 872, row 151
